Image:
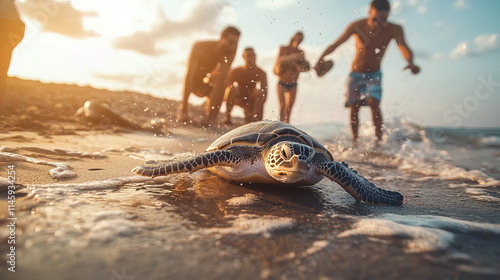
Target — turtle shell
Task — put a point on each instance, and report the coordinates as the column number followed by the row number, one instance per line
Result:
column 261, row 134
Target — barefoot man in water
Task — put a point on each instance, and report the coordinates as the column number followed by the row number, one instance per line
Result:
column 372, row 34
column 208, row 65
column 242, row 89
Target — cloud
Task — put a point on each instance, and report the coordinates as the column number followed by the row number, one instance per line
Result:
column 422, row 9
column 412, row 2
column 56, row 17
column 275, row 4
column 438, row 24
column 482, row 44
column 486, row 42
column 461, row 50
column 399, row 7
column 141, row 41
column 396, row 7
column 202, row 18
column 460, row 4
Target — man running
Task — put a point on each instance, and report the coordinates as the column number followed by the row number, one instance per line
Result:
column 372, row 34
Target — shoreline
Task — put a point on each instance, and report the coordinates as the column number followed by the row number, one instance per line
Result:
column 46, row 116
column 53, row 109
column 92, row 156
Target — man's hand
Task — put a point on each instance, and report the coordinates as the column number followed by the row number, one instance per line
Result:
column 320, row 61
column 414, row 69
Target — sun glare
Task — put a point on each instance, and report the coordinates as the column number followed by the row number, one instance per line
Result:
column 114, row 19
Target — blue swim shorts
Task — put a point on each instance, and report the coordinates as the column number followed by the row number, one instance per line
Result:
column 362, row 86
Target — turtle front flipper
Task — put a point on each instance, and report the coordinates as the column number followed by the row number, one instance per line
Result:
column 358, row 186
column 193, row 163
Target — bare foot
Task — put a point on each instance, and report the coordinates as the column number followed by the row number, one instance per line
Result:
column 207, row 123
column 227, row 121
column 355, row 142
column 183, row 118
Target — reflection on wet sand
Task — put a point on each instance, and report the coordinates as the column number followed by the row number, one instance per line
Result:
column 204, row 198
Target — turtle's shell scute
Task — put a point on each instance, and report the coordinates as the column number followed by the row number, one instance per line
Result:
column 259, row 134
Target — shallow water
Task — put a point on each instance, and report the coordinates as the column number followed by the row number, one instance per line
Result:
column 198, row 226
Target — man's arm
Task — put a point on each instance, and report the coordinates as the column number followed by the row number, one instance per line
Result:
column 230, row 78
column 405, row 50
column 302, row 63
column 217, row 95
column 192, row 65
column 346, row 35
column 221, row 78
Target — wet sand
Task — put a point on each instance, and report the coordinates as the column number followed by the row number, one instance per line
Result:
column 105, row 223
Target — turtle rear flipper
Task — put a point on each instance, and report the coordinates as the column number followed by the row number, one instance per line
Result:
column 193, row 163
column 358, row 186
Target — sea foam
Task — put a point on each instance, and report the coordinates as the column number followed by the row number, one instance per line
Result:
column 61, row 170
column 102, row 184
column 247, row 199
column 414, row 155
column 419, row 233
column 254, row 224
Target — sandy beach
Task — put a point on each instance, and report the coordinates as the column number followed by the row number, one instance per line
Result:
column 91, row 90
column 81, row 214
column 45, row 116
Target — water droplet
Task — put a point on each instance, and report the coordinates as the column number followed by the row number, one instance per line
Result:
column 377, row 50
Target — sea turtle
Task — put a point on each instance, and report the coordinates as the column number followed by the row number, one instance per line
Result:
column 273, row 152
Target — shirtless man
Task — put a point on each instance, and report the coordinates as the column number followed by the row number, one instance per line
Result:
column 372, row 34
column 208, row 65
column 242, row 89
column 291, row 61
column 11, row 34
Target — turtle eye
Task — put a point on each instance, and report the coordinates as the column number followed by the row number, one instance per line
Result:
column 284, row 153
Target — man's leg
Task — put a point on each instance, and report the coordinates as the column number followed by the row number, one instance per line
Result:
column 376, row 117
column 249, row 111
column 281, row 98
column 182, row 116
column 183, row 110
column 354, row 121
column 290, row 100
column 214, row 103
column 250, row 106
column 258, row 105
column 231, row 94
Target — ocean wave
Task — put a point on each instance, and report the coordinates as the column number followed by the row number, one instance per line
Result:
column 409, row 148
column 474, row 137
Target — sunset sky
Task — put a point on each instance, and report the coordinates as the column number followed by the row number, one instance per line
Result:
column 143, row 46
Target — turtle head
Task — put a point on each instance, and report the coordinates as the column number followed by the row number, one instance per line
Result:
column 288, row 162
